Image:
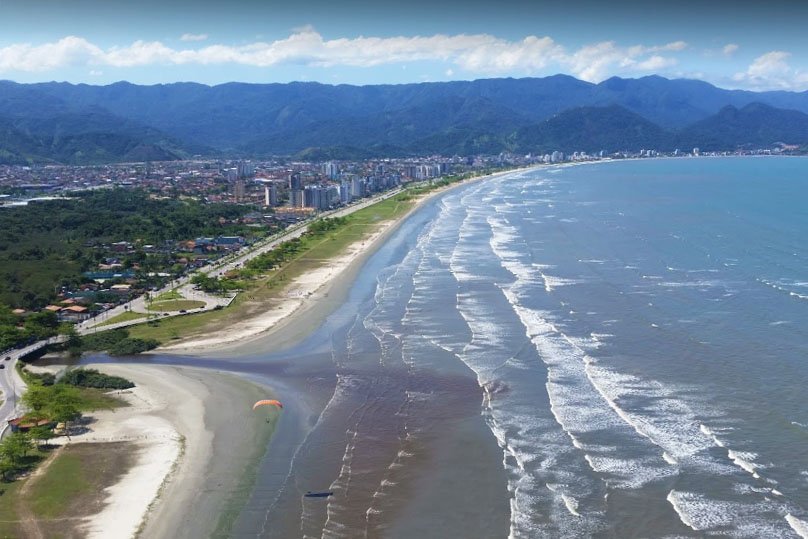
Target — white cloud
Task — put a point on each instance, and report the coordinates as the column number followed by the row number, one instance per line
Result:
column 676, row 46
column 193, row 37
column 771, row 71
column 475, row 53
column 68, row 51
column 656, row 63
column 730, row 49
column 596, row 62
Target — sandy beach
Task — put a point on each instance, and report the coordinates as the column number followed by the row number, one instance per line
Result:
column 194, row 435
column 310, row 297
column 197, row 442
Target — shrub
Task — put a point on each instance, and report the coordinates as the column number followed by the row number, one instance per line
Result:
column 93, row 378
column 132, row 346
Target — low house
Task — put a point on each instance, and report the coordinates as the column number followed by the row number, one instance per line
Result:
column 121, row 289
column 74, row 313
column 23, row 424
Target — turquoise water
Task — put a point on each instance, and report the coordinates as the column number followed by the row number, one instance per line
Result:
column 610, row 350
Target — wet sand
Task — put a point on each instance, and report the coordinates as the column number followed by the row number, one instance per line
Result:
column 432, row 472
column 198, row 446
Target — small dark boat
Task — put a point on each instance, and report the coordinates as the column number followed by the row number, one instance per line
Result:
column 323, row 494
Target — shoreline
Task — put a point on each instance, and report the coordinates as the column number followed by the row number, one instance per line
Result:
column 180, row 414
column 303, row 298
column 189, row 440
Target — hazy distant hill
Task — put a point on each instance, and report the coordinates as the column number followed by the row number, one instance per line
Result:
column 77, row 138
column 592, row 129
column 65, row 122
column 752, row 126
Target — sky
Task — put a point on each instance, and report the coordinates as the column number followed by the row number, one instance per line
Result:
column 732, row 44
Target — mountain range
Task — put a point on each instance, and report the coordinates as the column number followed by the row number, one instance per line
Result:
column 79, row 123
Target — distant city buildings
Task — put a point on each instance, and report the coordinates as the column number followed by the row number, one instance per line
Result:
column 277, row 183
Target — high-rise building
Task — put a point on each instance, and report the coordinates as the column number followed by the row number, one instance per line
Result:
column 239, row 190
column 273, row 194
column 295, row 182
column 296, row 198
column 245, row 169
column 345, row 191
column 357, row 187
column 331, row 170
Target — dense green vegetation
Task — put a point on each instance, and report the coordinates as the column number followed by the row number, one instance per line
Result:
column 69, row 136
column 48, row 244
column 116, row 342
column 17, row 454
column 16, row 330
column 592, row 129
column 94, row 378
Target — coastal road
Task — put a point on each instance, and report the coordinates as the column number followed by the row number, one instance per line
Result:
column 12, row 385
column 217, row 269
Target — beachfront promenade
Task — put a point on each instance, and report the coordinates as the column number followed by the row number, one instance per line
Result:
column 187, row 290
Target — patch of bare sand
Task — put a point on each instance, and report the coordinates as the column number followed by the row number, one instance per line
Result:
column 169, row 421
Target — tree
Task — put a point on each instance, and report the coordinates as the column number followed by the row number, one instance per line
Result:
column 41, row 433
column 15, row 447
column 64, row 405
column 65, row 413
column 37, row 399
column 6, row 467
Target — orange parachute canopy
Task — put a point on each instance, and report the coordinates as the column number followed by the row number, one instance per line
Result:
column 268, row 402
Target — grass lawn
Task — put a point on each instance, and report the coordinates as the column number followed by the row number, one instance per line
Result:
column 73, row 484
column 96, row 399
column 9, row 495
column 171, row 294
column 124, row 317
column 175, row 305
column 315, row 251
column 63, row 480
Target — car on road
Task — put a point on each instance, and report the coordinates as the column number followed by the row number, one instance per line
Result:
column 2, row 366
column 8, row 358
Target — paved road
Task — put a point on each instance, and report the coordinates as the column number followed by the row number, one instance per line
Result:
column 220, row 267
column 12, row 384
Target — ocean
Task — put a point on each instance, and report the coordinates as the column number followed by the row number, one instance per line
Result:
column 610, row 350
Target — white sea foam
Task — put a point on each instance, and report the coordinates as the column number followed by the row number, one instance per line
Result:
column 743, row 460
column 720, row 517
column 552, row 282
column 571, row 504
column 585, row 396
column 674, row 499
column 799, row 526
column 692, row 284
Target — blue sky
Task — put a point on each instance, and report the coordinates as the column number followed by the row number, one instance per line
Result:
column 739, row 44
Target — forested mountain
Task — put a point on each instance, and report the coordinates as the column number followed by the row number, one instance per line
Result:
column 81, row 123
column 752, row 126
column 592, row 129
